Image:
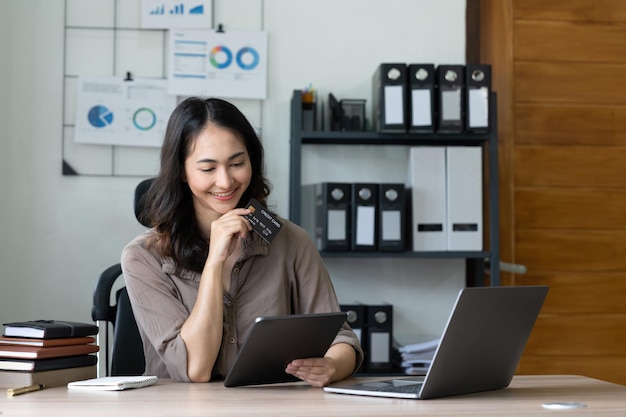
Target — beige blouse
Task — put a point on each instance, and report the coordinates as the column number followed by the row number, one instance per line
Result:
column 287, row 276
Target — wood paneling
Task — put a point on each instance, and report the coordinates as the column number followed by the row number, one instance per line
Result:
column 571, row 10
column 549, row 124
column 564, row 158
column 496, row 20
column 570, row 42
column 579, row 335
column 570, row 166
column 573, row 251
column 571, row 208
column 569, row 83
column 589, row 292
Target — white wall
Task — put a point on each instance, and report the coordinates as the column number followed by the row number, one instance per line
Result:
column 57, row 233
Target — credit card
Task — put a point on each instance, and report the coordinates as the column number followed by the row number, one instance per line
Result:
column 262, row 221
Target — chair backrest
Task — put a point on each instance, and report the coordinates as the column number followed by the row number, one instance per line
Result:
column 127, row 356
column 124, row 356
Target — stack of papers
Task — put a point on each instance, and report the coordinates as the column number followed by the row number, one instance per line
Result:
column 417, row 356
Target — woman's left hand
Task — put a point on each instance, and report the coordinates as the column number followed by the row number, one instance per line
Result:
column 317, row 372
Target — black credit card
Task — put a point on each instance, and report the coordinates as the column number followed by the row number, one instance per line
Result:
column 262, row 221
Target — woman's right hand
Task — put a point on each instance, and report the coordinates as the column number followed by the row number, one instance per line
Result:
column 225, row 232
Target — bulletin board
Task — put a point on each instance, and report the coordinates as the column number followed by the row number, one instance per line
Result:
column 105, row 38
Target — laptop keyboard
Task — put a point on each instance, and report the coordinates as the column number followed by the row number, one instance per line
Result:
column 404, row 388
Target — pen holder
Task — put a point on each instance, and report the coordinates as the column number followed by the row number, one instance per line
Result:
column 353, row 111
column 308, row 110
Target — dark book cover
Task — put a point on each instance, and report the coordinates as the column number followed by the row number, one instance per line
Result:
column 38, row 365
column 49, row 329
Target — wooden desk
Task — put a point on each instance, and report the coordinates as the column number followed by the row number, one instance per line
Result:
column 524, row 397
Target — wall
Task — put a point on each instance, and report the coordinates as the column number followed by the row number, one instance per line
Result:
column 560, row 75
column 58, row 232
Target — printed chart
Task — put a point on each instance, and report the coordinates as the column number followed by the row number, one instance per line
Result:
column 111, row 111
column 224, row 64
column 181, row 14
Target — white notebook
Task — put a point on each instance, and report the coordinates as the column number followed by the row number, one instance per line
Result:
column 113, row 383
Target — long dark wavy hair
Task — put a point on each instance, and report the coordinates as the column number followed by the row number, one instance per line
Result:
column 168, row 204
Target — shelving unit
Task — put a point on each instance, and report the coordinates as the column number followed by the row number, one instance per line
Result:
column 477, row 262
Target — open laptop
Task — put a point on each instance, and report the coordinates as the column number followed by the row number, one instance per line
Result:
column 274, row 341
column 480, row 349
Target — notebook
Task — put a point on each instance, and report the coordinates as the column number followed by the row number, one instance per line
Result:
column 480, row 348
column 272, row 342
column 113, row 383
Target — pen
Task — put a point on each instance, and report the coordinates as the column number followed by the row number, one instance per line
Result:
column 23, row 390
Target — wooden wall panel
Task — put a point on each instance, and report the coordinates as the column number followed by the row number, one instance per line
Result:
column 570, row 166
column 496, row 20
column 565, row 174
column 607, row 11
column 579, row 335
column 580, row 292
column 571, row 208
column 569, row 83
column 574, row 251
column 549, row 124
column 569, row 42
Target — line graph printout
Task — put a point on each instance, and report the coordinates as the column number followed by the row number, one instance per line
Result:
column 230, row 64
column 111, row 111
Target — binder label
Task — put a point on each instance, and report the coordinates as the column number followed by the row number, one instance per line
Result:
column 337, row 225
column 392, row 225
column 451, row 105
column 421, row 112
column 394, row 105
column 478, row 108
column 366, row 218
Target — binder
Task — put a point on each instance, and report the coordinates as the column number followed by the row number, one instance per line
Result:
column 465, row 198
column 391, row 218
column 357, row 319
column 427, row 183
column 326, row 214
column 364, row 222
column 477, row 93
column 389, row 102
column 379, row 338
column 451, row 104
column 421, row 81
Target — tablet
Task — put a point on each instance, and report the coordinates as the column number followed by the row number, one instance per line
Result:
column 274, row 341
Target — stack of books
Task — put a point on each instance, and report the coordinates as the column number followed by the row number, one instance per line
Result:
column 47, row 352
column 416, row 357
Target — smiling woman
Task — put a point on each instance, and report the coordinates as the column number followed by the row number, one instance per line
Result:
column 198, row 278
column 218, row 172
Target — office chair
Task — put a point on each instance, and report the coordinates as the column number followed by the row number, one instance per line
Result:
column 124, row 356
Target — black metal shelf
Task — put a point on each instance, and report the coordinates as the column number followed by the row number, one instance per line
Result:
column 476, row 262
column 390, row 139
column 408, row 254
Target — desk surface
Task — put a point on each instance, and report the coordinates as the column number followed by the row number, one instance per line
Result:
column 524, row 397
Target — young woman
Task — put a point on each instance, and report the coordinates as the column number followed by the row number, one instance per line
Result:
column 199, row 277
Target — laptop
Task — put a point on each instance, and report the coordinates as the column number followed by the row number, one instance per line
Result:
column 274, row 341
column 479, row 350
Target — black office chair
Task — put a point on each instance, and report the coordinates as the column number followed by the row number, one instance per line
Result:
column 124, row 356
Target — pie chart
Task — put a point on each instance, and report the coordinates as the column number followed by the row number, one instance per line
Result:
column 144, row 118
column 99, row 116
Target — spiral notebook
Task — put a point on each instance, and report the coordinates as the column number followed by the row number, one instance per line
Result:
column 113, row 383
